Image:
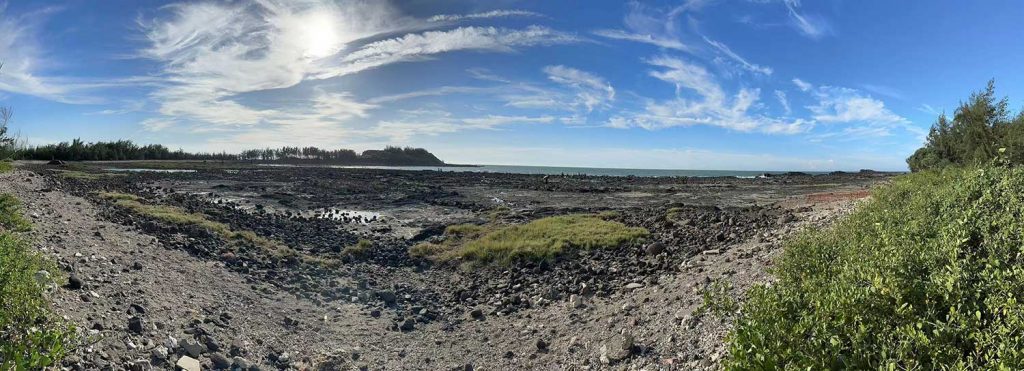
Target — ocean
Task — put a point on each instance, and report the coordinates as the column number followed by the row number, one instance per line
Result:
column 559, row 170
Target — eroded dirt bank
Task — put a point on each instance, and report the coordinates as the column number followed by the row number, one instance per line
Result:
column 152, row 293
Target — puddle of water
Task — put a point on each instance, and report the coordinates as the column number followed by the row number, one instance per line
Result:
column 243, row 202
column 153, row 170
column 358, row 216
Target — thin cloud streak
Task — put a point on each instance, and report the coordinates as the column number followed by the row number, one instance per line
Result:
column 643, row 38
column 485, row 15
column 722, row 48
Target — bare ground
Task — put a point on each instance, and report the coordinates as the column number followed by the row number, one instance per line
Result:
column 192, row 299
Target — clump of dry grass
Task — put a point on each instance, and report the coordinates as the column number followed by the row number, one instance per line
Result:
column 360, row 248
column 540, row 239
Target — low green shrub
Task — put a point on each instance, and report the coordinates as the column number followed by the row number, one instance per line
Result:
column 31, row 337
column 929, row 274
column 716, row 299
column 10, row 215
column 6, row 166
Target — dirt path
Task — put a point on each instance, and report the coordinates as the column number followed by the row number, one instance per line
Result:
column 137, row 295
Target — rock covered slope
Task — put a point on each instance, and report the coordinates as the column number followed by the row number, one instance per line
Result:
column 142, row 301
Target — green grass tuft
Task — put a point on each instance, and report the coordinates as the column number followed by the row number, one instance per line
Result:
column 360, row 248
column 537, row 240
column 31, row 337
column 929, row 274
column 6, row 166
column 174, row 215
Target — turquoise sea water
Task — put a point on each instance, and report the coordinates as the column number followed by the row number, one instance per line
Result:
column 555, row 170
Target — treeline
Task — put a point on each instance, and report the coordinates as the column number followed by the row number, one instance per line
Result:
column 981, row 129
column 122, row 150
column 394, row 156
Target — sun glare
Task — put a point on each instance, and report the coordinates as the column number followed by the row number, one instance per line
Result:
column 320, row 36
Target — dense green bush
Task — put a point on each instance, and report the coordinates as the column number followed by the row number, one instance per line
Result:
column 30, row 336
column 927, row 275
column 974, row 135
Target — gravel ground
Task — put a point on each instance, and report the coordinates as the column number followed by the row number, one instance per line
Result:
column 147, row 301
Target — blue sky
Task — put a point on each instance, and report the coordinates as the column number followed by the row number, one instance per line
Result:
column 743, row 84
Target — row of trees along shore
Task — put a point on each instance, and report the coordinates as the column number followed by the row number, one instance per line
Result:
column 122, row 150
column 980, row 130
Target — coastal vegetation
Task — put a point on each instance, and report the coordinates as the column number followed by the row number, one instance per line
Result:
column 124, row 150
column 31, row 336
column 979, row 129
column 927, row 274
column 541, row 239
column 174, row 215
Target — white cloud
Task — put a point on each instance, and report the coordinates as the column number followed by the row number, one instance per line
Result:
column 591, row 91
column 884, row 90
column 416, row 46
column 127, row 107
column 491, row 14
column 440, row 122
column 722, row 48
column 444, row 90
column 811, row 26
column 23, row 61
column 212, row 53
column 658, row 41
column 844, row 105
column 926, row 108
column 714, row 107
column 654, row 26
column 861, row 115
column 802, row 85
column 783, row 101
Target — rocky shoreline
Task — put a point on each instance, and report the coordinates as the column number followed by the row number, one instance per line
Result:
column 148, row 294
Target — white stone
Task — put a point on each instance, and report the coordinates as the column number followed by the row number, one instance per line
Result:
column 186, row 363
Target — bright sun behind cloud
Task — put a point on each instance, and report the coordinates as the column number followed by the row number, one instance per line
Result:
column 319, row 35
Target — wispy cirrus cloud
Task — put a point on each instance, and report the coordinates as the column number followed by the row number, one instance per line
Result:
column 802, row 85
column 425, row 122
column 927, row 108
column 712, row 105
column 783, row 101
column 501, row 13
column 23, row 62
column 812, row 26
column 659, row 41
column 213, row 53
column 417, row 46
column 653, row 26
column 444, row 90
column 591, row 91
column 743, row 63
